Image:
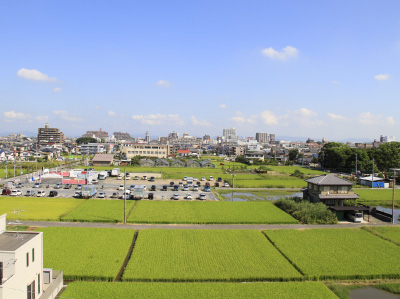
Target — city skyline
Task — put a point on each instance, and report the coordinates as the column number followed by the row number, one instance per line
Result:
column 295, row 69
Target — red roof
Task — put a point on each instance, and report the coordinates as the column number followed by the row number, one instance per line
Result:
column 183, row 152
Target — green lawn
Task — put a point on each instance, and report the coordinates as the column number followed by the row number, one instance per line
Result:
column 86, row 253
column 390, row 233
column 290, row 169
column 208, row 212
column 97, row 210
column 282, row 290
column 382, row 197
column 338, row 253
column 37, row 208
column 206, row 255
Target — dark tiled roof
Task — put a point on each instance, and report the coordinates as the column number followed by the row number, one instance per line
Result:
column 10, row 242
column 329, row 179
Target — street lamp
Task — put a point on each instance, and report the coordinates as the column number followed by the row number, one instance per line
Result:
column 394, row 183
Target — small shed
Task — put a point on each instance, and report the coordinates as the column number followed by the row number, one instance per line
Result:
column 177, row 163
column 162, row 163
column 374, row 182
column 207, row 164
column 147, row 163
column 192, row 163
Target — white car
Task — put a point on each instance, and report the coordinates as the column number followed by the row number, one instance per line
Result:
column 144, row 188
column 37, row 185
column 78, row 194
column 127, row 191
column 175, row 196
column 355, row 217
column 202, row 196
column 119, row 177
column 101, row 195
column 226, row 185
column 144, row 178
column 194, row 179
column 78, row 187
column 30, row 193
column 136, row 177
column 41, row 193
column 128, row 176
column 16, row 193
column 195, row 188
column 211, row 178
column 185, row 178
column 121, row 187
column 189, row 196
column 203, row 178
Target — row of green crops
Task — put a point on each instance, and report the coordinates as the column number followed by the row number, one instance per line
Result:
column 37, row 208
column 378, row 197
column 283, row 182
column 390, row 233
column 283, row 290
column 208, row 212
column 338, row 253
column 86, row 253
column 210, row 255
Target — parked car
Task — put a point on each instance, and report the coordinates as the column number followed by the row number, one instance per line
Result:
column 67, row 186
column 119, row 177
column 20, row 185
column 121, row 188
column 150, row 196
column 16, row 193
column 195, row 188
column 202, row 196
column 136, row 178
column 180, row 184
column 226, row 185
column 144, row 187
column 355, row 216
column 153, row 188
column 207, row 189
column 189, row 196
column 211, row 178
column 207, row 184
column 175, row 196
column 78, row 194
column 219, row 179
column 41, row 193
column 37, row 185
column 53, row 193
column 152, row 179
column 175, row 188
column 78, row 187
column 30, row 193
column 198, row 184
column 194, row 179
column 94, row 181
column 171, row 184
column 144, row 178
column 203, row 178
column 216, row 184
column 164, row 188
column 128, row 176
column 101, row 194
column 115, row 195
column 185, row 188
column 58, row 186
column 185, row 178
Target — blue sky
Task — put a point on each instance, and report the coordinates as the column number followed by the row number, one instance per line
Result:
column 295, row 68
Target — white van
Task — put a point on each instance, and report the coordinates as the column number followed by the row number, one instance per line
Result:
column 355, row 217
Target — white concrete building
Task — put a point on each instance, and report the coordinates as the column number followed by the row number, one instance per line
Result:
column 21, row 266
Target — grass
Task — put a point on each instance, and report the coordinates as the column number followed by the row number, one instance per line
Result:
column 37, row 208
column 338, row 253
column 378, row 197
column 290, row 169
column 208, row 212
column 86, row 253
column 283, row 290
column 206, row 255
column 283, row 182
column 96, row 210
column 166, row 170
column 389, row 233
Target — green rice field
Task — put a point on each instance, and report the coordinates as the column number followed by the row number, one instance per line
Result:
column 208, row 212
column 206, row 255
column 338, row 253
column 282, row 182
column 37, row 208
column 390, row 233
column 282, row 290
column 86, row 253
column 382, row 197
column 96, row 210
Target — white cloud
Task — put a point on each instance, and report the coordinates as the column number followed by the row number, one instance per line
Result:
column 239, row 119
column 12, row 115
column 269, row 118
column 335, row 82
column 335, row 116
column 223, row 106
column 163, row 83
column 382, row 77
column 35, row 75
column 42, row 118
column 158, row 119
column 57, row 89
column 198, row 122
column 304, row 112
column 66, row 116
column 286, row 53
column 111, row 113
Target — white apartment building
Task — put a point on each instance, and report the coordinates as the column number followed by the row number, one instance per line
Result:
column 21, row 266
column 147, row 150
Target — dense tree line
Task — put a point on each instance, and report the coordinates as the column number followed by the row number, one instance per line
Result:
column 85, row 140
column 341, row 157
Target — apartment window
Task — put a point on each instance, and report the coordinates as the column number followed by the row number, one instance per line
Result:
column 33, row 255
column 30, row 291
column 27, row 259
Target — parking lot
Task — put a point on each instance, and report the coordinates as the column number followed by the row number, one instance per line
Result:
column 112, row 185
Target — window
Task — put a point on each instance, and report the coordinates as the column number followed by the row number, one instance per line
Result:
column 38, row 283
column 33, row 255
column 27, row 259
column 30, row 291
column 1, row 273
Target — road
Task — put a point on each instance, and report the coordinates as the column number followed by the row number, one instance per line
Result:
column 198, row 226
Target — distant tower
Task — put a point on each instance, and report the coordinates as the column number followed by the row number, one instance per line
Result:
column 147, row 137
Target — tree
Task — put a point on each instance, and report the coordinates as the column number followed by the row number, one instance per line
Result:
column 85, row 140
column 388, row 156
column 293, row 153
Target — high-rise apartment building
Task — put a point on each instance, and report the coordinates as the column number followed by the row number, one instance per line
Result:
column 262, row 137
column 122, row 136
column 96, row 134
column 230, row 135
column 49, row 135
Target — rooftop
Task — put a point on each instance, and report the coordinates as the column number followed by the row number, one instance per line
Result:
column 10, row 242
column 329, row 179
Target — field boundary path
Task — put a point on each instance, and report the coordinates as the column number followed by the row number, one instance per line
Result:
column 199, row 226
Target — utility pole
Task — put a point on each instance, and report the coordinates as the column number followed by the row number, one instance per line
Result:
column 372, row 176
column 233, row 177
column 394, row 184
column 356, row 166
column 125, row 195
